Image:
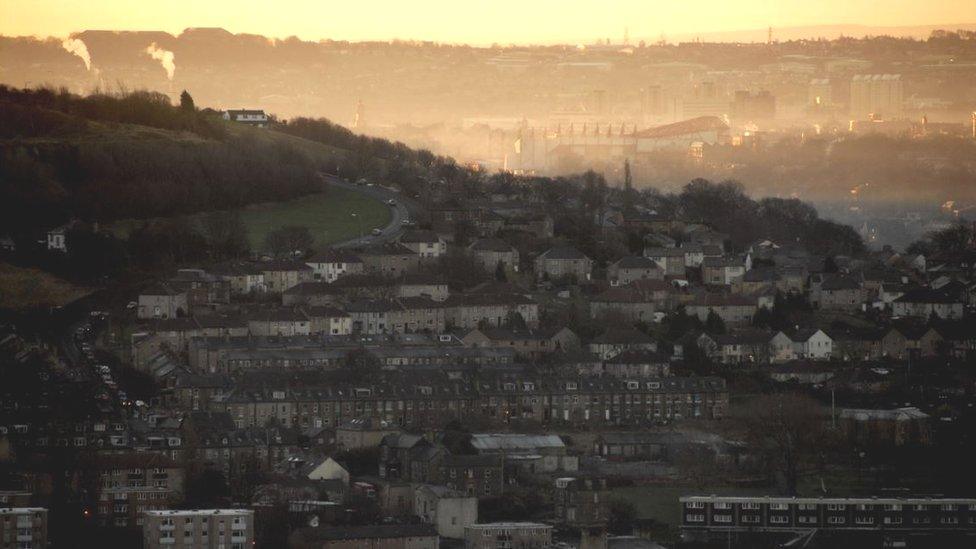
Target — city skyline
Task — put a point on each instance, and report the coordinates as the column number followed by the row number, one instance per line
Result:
column 503, row 22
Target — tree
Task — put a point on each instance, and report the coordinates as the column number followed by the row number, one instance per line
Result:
column 226, row 235
column 186, row 102
column 289, row 240
column 500, row 274
column 459, row 269
column 630, row 196
column 463, row 231
column 714, row 323
column 206, row 490
column 360, row 365
column 953, row 240
column 830, row 265
column 515, row 321
column 360, row 461
column 786, row 429
column 621, row 515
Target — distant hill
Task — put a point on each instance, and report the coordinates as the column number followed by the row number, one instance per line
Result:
column 813, row 32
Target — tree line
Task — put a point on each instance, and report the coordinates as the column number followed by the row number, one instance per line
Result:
column 67, row 157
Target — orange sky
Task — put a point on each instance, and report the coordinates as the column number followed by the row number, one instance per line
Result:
column 469, row 21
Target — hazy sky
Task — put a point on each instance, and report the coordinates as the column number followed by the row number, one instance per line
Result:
column 471, row 21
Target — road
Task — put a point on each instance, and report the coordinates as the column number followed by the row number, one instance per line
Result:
column 403, row 209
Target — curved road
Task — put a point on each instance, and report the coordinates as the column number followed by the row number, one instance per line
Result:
column 403, row 209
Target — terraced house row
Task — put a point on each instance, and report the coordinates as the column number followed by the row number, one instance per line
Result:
column 577, row 402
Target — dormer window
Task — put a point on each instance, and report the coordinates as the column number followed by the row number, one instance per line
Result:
column 572, row 386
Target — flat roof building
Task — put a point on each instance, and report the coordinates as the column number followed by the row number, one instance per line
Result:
column 199, row 529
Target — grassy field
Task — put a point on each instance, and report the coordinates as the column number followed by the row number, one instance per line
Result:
column 661, row 502
column 331, row 217
column 22, row 289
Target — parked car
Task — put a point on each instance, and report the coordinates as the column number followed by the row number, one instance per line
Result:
column 377, row 232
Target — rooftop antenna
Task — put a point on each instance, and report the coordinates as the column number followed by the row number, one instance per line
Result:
column 626, row 36
column 769, row 35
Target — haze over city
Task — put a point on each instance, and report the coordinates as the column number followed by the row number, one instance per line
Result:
column 487, row 275
column 482, row 22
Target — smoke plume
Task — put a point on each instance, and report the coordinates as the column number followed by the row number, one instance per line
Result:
column 77, row 47
column 166, row 58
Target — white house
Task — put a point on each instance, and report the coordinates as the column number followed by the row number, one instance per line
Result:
column 56, row 240
column 810, row 344
column 448, row 510
column 781, row 348
column 251, row 117
column 426, row 244
column 331, row 264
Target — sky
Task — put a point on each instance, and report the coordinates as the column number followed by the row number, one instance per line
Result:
column 469, row 21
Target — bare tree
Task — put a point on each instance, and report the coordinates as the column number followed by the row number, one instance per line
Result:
column 786, row 430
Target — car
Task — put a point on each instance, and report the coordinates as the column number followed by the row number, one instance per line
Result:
column 361, row 182
column 405, row 222
column 377, row 232
column 391, row 202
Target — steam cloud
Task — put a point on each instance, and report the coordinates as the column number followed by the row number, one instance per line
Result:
column 77, row 47
column 166, row 58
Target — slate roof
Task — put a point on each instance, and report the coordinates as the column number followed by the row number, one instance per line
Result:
column 491, row 245
column 617, row 336
column 563, row 253
column 839, row 283
column 514, row 442
column 636, row 262
column 333, row 255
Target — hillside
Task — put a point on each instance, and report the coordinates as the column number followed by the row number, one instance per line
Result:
column 26, row 288
column 104, row 158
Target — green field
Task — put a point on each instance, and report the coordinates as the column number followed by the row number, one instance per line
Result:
column 26, row 288
column 660, row 503
column 332, row 216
